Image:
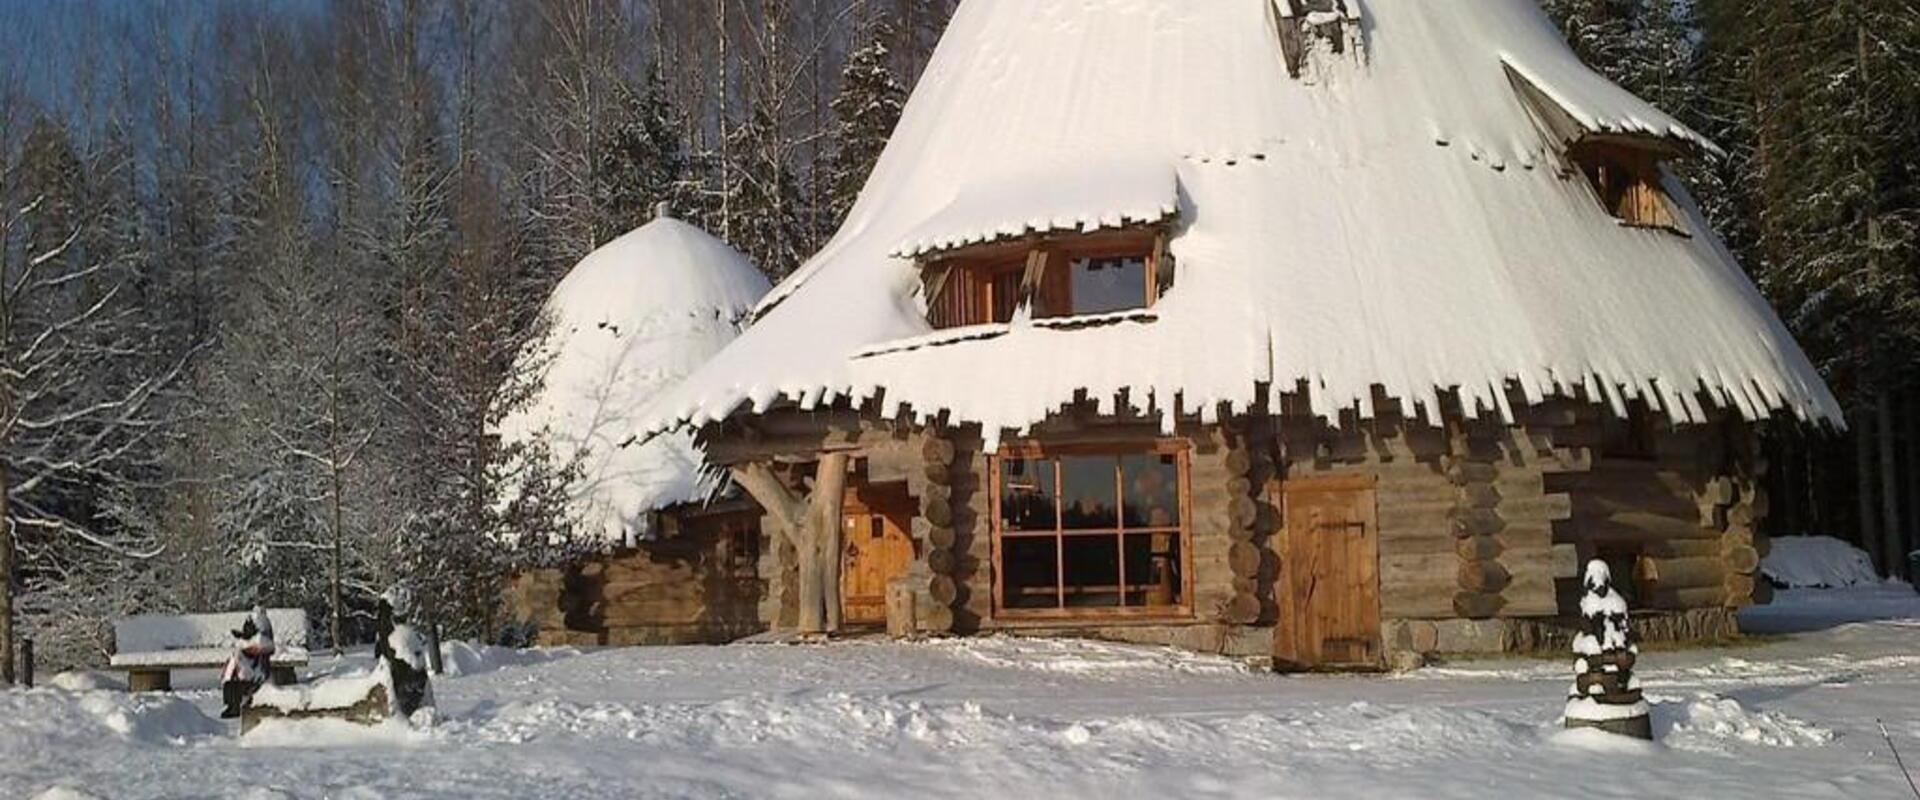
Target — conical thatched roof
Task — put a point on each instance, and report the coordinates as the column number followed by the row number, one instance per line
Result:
column 1399, row 214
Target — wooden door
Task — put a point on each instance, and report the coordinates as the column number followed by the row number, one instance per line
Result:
column 1329, row 583
column 875, row 522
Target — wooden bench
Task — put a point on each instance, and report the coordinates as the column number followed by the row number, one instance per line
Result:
column 150, row 647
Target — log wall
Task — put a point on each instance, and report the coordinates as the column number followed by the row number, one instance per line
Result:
column 679, row 590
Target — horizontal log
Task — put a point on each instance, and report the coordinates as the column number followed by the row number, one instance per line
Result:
column 1479, row 495
column 1635, row 527
column 1720, row 491
column 1479, row 548
column 1546, row 507
column 1682, row 548
column 1680, row 573
column 1742, row 559
column 939, row 474
column 1240, row 486
column 942, row 561
column 1463, row 472
column 1477, row 522
column 935, row 618
column 1405, row 601
column 1478, row 606
column 935, row 450
column 1238, row 461
column 940, row 514
column 1244, row 559
column 1487, row 577
column 943, row 590
column 1242, row 512
column 1740, row 590
column 1243, row 609
column 1689, row 598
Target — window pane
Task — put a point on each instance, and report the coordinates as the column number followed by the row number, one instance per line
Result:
column 1093, row 570
column 1109, row 284
column 1026, row 495
column 1153, row 490
column 1030, row 566
column 1153, row 569
column 1088, row 493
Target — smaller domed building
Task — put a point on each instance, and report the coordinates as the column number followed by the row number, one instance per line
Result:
column 632, row 319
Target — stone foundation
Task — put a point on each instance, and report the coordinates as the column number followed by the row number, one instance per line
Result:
column 1548, row 636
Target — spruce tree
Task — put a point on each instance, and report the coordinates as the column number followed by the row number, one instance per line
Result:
column 866, row 110
column 644, row 159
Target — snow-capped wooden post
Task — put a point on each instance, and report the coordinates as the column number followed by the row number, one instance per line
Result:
column 1605, row 694
column 811, row 525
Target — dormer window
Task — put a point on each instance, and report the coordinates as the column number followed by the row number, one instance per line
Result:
column 1050, row 277
column 1627, row 181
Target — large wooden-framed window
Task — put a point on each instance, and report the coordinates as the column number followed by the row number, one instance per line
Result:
column 1053, row 277
column 1092, row 531
column 1626, row 179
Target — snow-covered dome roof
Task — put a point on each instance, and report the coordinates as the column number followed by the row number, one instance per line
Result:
column 1399, row 215
column 631, row 320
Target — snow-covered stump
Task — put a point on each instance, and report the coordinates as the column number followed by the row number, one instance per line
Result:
column 1605, row 694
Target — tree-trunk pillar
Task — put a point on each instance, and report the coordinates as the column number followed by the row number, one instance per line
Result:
column 829, row 498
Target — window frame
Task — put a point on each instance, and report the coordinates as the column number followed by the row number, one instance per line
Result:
column 1044, row 266
column 1183, row 610
column 1640, row 161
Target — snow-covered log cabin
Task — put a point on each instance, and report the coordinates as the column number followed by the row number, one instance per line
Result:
column 1319, row 328
column 632, row 318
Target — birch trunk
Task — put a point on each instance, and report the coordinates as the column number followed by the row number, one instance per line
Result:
column 6, row 582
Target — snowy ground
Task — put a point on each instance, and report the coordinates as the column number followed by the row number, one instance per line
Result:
column 1792, row 716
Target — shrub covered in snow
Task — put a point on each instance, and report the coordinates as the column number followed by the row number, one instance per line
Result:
column 1605, row 694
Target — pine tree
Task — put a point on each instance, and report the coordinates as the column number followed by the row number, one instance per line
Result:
column 866, row 110
column 644, row 161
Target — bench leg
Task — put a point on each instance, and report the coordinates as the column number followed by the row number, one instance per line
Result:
column 149, row 680
column 283, row 675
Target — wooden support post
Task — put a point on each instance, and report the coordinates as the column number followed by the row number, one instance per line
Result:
column 812, row 527
column 26, row 663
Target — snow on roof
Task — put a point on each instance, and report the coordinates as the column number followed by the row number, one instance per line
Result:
column 630, row 321
column 1401, row 219
column 1082, row 198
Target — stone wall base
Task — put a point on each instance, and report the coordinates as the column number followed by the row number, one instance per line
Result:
column 1537, row 636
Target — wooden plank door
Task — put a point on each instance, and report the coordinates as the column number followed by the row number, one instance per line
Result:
column 1329, row 575
column 876, row 521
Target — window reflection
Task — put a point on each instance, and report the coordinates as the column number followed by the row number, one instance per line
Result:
column 1101, row 285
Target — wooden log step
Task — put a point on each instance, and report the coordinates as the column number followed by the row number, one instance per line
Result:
column 1487, row 577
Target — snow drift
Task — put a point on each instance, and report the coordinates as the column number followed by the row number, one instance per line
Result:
column 1820, row 562
column 1399, row 220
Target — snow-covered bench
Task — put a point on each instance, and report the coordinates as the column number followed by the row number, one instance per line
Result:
column 151, row 646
